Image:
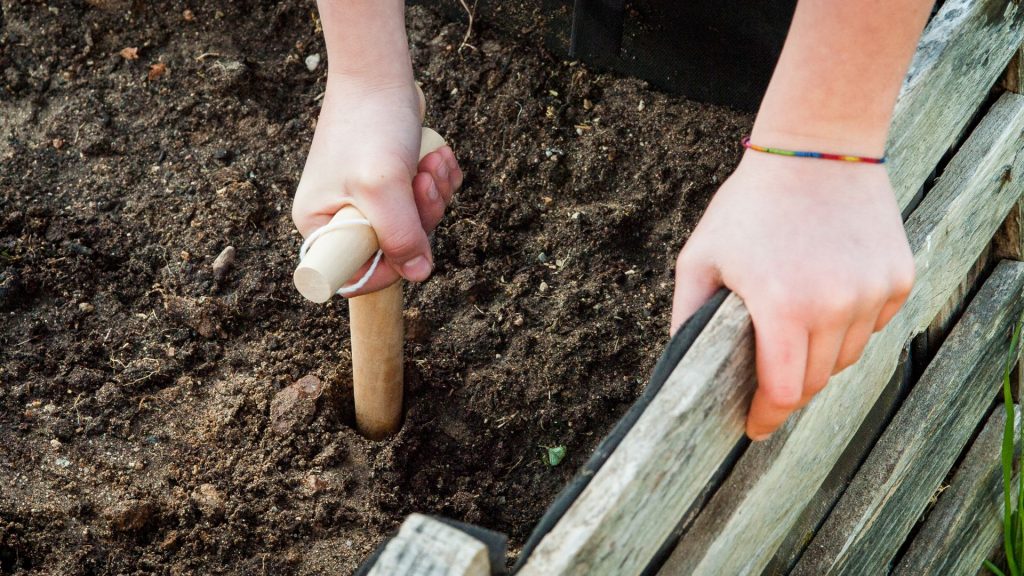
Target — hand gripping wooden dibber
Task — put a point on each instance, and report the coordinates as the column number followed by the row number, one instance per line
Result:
column 375, row 319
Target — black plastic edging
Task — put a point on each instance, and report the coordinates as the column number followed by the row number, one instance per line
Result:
column 670, row 358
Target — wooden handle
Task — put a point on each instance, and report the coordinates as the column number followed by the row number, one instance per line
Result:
column 375, row 319
column 377, row 368
column 337, row 255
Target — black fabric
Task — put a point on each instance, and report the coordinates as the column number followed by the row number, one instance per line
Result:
column 673, row 354
column 597, row 29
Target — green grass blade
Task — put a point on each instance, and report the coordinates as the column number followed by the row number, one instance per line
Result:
column 1006, row 456
column 993, row 568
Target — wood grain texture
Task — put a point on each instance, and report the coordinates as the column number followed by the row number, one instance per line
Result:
column 962, row 52
column 910, row 460
column 842, row 473
column 966, row 522
column 427, row 547
column 774, row 480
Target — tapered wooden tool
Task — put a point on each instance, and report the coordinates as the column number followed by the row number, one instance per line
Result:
column 375, row 319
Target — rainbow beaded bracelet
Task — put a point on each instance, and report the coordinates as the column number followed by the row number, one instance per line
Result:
column 819, row 155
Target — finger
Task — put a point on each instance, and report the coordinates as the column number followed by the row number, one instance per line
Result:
column 429, row 202
column 431, row 208
column 888, row 312
column 437, row 165
column 902, row 285
column 857, row 338
column 823, row 348
column 781, row 348
column 457, row 176
column 696, row 282
column 400, row 234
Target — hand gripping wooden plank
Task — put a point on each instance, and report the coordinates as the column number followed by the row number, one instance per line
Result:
column 375, row 319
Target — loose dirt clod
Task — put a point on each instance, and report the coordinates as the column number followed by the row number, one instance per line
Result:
column 130, row 515
column 209, row 500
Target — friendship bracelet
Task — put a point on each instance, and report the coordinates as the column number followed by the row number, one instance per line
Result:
column 818, row 155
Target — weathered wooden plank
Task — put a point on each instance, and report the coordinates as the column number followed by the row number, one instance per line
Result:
column 910, row 460
column 428, row 547
column 966, row 522
column 634, row 501
column 817, row 510
column 773, row 481
column 961, row 54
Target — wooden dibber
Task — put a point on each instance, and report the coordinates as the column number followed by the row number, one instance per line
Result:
column 375, row 319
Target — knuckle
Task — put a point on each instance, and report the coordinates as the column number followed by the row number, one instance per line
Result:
column 401, row 243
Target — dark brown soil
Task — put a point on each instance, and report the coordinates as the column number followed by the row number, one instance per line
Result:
column 143, row 427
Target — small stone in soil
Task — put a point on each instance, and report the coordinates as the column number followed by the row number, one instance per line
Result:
column 312, row 62
column 222, row 155
column 86, row 307
column 295, row 406
column 222, row 265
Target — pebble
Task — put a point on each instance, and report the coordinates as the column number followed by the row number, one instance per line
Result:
column 295, row 405
column 222, row 265
column 543, row 287
column 62, row 462
column 86, row 307
column 222, row 154
column 312, row 62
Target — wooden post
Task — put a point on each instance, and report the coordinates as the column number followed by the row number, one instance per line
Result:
column 375, row 319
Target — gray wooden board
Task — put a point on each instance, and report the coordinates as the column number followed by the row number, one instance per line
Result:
column 966, row 522
column 842, row 473
column 961, row 54
column 427, row 547
column 774, row 480
column 662, row 464
column 894, row 485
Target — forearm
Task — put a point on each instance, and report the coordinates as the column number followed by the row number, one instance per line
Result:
column 840, row 72
column 366, row 40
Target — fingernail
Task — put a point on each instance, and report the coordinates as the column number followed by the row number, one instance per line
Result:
column 442, row 171
column 432, row 192
column 417, row 269
column 761, row 437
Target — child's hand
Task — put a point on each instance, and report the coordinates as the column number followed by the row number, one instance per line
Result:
column 365, row 153
column 818, row 253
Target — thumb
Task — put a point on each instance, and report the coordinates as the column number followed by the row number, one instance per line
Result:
column 696, row 281
column 396, row 220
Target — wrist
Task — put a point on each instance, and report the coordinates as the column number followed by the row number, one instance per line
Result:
column 863, row 141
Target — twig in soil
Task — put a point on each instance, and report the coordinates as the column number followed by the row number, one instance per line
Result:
column 469, row 28
column 206, row 55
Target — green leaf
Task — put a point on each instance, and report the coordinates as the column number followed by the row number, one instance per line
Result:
column 555, row 455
